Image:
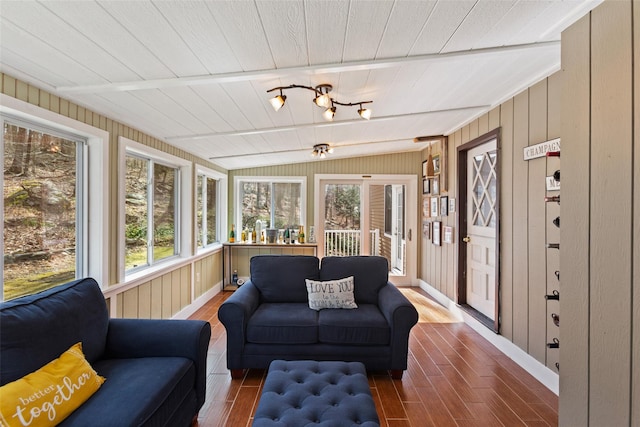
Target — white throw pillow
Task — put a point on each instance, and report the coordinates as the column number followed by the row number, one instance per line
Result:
column 331, row 294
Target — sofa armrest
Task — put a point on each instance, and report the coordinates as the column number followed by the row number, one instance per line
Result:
column 234, row 314
column 402, row 316
column 136, row 338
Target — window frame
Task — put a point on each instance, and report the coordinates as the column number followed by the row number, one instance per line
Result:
column 183, row 205
column 237, row 203
column 221, row 213
column 94, row 255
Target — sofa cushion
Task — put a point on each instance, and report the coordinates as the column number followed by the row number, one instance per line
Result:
column 135, row 392
column 38, row 328
column 47, row 396
column 283, row 323
column 364, row 325
column 370, row 273
column 281, row 278
column 331, row 294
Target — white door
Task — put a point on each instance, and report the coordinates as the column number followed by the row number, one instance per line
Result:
column 397, row 253
column 481, row 228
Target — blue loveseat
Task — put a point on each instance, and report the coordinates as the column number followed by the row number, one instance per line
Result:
column 155, row 370
column 269, row 318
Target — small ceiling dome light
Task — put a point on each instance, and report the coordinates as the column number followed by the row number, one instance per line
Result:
column 365, row 113
column 329, row 113
column 278, row 101
column 321, row 150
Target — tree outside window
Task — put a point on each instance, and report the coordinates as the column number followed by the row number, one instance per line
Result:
column 206, row 218
column 277, row 204
column 150, row 212
column 42, row 222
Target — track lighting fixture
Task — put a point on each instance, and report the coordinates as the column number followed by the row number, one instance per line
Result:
column 321, row 99
column 321, row 150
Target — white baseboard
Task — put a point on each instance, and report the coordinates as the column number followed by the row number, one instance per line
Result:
column 197, row 303
column 546, row 376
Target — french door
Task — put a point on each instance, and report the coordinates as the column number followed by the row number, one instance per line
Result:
column 369, row 216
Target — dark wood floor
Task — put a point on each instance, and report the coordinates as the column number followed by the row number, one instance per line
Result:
column 454, row 378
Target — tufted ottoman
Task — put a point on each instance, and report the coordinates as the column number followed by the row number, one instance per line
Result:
column 304, row 392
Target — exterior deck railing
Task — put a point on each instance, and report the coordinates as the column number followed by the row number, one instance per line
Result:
column 347, row 242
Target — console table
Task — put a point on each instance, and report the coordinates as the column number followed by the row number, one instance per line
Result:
column 236, row 256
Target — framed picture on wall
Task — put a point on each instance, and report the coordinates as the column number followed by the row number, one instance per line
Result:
column 452, row 205
column 426, row 187
column 426, row 229
column 447, row 236
column 435, row 234
column 426, row 207
column 435, row 207
column 436, row 165
column 444, row 205
column 435, row 186
column 424, row 169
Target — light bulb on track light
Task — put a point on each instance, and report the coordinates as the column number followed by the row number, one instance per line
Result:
column 278, row 101
column 329, row 113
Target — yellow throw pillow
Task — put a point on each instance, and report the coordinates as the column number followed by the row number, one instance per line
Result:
column 47, row 396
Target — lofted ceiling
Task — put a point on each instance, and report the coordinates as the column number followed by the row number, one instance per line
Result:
column 196, row 73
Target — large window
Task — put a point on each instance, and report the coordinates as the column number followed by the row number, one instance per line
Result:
column 152, row 189
column 44, row 195
column 278, row 203
column 206, row 213
column 156, row 209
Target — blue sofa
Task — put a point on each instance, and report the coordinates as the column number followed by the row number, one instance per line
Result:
column 155, row 370
column 269, row 318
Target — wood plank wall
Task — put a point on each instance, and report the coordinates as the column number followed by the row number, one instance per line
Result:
column 526, row 266
column 165, row 295
column 600, row 368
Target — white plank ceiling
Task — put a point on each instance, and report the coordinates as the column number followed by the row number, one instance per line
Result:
column 196, row 73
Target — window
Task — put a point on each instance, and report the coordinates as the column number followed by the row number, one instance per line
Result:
column 44, row 195
column 155, row 208
column 150, row 211
column 206, row 214
column 279, row 203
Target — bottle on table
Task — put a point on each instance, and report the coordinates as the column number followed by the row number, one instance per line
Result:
column 232, row 234
column 301, row 234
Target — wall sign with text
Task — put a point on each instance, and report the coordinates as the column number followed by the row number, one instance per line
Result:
column 540, row 150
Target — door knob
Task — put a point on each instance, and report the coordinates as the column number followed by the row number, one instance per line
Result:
column 466, row 239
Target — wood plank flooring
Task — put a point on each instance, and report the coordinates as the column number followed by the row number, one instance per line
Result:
column 454, row 378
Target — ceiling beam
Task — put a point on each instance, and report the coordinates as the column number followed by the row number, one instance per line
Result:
column 306, row 70
column 417, row 146
column 316, row 125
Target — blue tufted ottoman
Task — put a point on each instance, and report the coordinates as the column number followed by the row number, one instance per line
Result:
column 304, row 392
